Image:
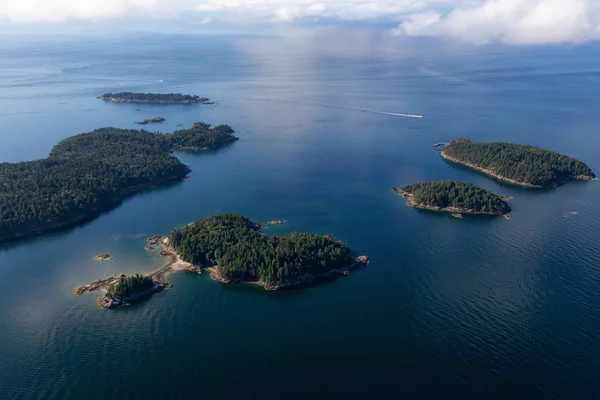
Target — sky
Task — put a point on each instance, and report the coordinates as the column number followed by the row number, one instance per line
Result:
column 512, row 22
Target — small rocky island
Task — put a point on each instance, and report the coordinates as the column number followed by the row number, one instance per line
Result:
column 517, row 164
column 155, row 98
column 103, row 257
column 232, row 249
column 150, row 120
column 454, row 197
column 123, row 290
column 277, row 222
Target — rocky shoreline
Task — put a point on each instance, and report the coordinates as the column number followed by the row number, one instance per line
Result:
column 505, row 179
column 173, row 263
column 103, row 257
column 106, row 302
column 453, row 210
column 303, row 281
column 277, row 222
column 195, row 148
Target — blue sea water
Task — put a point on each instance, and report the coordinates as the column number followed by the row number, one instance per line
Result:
column 474, row 308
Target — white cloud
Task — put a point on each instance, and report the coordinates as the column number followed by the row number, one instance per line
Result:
column 287, row 10
column 279, row 10
column 59, row 10
column 478, row 21
column 512, row 21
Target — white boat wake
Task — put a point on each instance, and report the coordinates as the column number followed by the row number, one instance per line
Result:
column 368, row 110
column 391, row 113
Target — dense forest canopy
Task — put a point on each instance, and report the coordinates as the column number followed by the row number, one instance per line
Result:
column 154, row 97
column 201, row 136
column 130, row 285
column 521, row 163
column 89, row 173
column 241, row 253
column 460, row 195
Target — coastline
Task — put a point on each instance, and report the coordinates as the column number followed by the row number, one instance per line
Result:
column 117, row 199
column 172, row 263
column 490, row 172
column 195, row 148
column 452, row 210
column 303, row 281
column 493, row 174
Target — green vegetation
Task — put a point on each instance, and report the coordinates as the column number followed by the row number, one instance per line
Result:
column 518, row 163
column 130, row 285
column 169, row 98
column 90, row 173
column 242, row 254
column 200, row 136
column 457, row 195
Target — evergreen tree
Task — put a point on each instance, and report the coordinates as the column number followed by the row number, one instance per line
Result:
column 461, row 195
column 241, row 253
column 522, row 163
column 91, row 172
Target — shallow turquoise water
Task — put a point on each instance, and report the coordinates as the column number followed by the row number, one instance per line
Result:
column 474, row 308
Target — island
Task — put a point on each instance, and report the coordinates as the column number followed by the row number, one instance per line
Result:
column 150, row 120
column 454, row 197
column 103, row 257
column 122, row 290
column 156, row 98
column 277, row 222
column 232, row 249
column 199, row 137
column 517, row 164
column 93, row 172
column 129, row 290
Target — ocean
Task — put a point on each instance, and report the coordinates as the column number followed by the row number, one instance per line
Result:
column 483, row 308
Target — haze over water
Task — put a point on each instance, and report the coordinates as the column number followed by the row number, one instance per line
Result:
column 473, row 308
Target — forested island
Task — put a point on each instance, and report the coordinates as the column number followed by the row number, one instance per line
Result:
column 127, row 290
column 200, row 136
column 232, row 249
column 128, row 285
column 158, row 98
column 93, row 172
column 231, row 246
column 517, row 164
column 454, row 197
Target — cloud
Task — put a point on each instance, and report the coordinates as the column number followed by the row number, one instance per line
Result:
column 287, row 10
column 60, row 10
column 477, row 21
column 512, row 21
column 273, row 10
